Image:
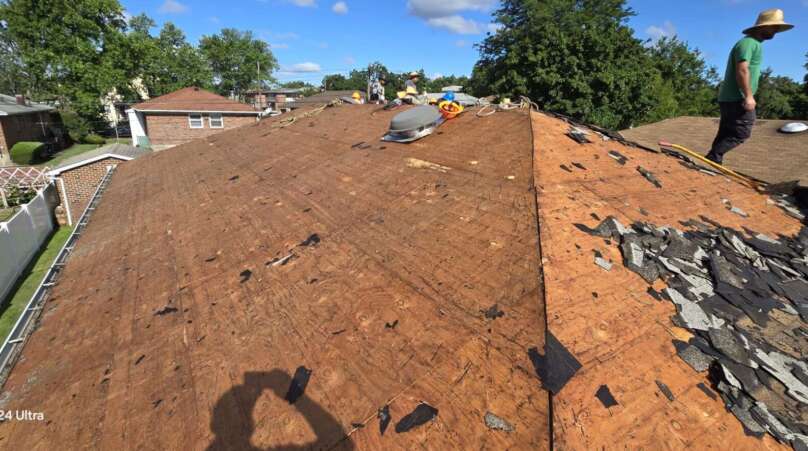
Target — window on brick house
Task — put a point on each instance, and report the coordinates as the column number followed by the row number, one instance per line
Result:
column 195, row 121
column 216, row 120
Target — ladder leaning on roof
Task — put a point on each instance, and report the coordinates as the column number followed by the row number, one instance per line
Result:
column 15, row 341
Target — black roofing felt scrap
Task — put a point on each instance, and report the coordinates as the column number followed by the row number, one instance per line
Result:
column 298, row 385
column 665, row 390
column 556, row 366
column 744, row 296
column 384, row 418
column 605, row 396
column 493, row 312
column 245, row 275
column 423, row 413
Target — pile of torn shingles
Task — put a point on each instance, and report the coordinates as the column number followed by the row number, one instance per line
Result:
column 745, row 299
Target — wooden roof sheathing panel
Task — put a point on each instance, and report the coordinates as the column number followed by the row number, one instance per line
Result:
column 194, row 229
column 621, row 335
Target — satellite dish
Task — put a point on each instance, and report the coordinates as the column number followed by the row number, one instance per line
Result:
column 794, row 127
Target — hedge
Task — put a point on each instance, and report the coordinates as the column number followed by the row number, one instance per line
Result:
column 27, row 152
column 92, row 138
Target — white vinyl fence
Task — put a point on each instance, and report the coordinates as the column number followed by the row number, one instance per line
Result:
column 22, row 236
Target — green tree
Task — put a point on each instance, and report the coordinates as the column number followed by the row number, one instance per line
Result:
column 687, row 83
column 779, row 97
column 173, row 63
column 235, row 57
column 66, row 49
column 578, row 57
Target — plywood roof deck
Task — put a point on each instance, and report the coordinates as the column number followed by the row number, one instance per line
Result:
column 180, row 229
column 621, row 335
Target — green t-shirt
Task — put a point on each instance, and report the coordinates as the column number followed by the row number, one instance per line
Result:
column 747, row 49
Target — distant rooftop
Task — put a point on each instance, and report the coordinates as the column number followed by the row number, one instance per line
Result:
column 193, row 99
column 119, row 151
column 768, row 155
column 10, row 107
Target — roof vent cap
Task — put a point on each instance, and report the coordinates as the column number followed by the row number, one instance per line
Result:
column 794, row 127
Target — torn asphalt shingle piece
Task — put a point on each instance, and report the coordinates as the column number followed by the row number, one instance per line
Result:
column 578, row 136
column 605, row 396
column 649, row 176
column 634, row 259
column 690, row 312
column 298, row 385
column 761, row 415
column 693, row 356
column 312, row 240
column 706, row 390
column 665, row 390
column 603, row 263
column 245, row 275
column 494, row 422
column 618, row 157
column 423, row 413
column 725, row 342
column 579, row 166
column 556, row 366
column 564, row 167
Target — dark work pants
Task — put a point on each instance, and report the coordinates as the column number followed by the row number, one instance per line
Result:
column 735, row 128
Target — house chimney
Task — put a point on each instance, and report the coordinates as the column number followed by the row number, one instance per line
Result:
column 20, row 99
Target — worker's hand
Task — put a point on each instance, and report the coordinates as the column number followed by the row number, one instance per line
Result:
column 749, row 104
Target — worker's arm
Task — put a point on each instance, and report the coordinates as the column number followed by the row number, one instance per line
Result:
column 744, row 79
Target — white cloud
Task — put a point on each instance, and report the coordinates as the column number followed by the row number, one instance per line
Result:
column 172, row 7
column 342, row 8
column 302, row 68
column 430, row 9
column 304, row 3
column 445, row 14
column 455, row 24
column 494, row 27
column 667, row 30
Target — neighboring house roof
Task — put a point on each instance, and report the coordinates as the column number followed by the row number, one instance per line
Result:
column 389, row 274
column 10, row 107
column 768, row 155
column 119, row 151
column 193, row 100
column 325, row 97
column 285, row 91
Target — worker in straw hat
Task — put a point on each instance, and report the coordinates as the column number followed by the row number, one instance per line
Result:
column 737, row 96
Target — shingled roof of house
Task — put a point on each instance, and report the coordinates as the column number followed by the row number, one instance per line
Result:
column 193, row 99
column 768, row 155
column 301, row 283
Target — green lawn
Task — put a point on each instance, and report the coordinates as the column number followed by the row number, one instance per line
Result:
column 13, row 305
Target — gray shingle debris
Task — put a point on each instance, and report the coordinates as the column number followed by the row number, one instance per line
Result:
column 697, row 360
column 649, row 176
column 744, row 296
column 494, row 422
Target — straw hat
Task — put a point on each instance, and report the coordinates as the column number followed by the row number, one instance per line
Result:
column 414, row 74
column 771, row 18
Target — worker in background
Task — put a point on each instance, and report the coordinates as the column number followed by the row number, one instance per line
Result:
column 411, row 86
column 377, row 90
column 737, row 96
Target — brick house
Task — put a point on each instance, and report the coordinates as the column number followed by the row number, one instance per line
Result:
column 21, row 120
column 185, row 115
column 77, row 178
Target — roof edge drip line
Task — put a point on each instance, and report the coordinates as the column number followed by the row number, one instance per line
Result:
column 19, row 334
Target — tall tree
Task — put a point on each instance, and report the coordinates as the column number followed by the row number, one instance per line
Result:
column 65, row 47
column 176, row 64
column 686, row 78
column 779, row 97
column 235, row 57
column 579, row 57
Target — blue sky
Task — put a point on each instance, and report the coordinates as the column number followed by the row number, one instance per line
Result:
column 312, row 38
